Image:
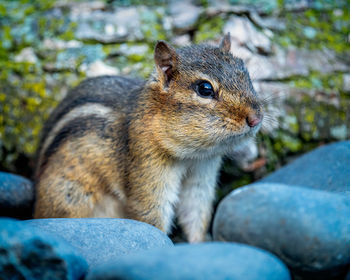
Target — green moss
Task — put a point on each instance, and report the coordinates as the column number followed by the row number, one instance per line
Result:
column 152, row 24
column 69, row 33
column 209, row 29
column 316, row 80
column 291, row 121
column 324, row 26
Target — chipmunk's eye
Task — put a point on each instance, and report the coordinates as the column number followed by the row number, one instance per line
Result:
column 205, row 89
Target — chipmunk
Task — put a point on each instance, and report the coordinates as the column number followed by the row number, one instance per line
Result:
column 148, row 150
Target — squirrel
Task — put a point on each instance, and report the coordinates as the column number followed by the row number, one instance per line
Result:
column 122, row 147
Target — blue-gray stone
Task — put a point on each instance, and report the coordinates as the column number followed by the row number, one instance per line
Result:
column 325, row 168
column 16, row 196
column 202, row 261
column 101, row 240
column 347, row 276
column 28, row 253
column 308, row 229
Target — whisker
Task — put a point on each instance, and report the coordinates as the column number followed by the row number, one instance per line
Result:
column 269, row 123
column 272, row 98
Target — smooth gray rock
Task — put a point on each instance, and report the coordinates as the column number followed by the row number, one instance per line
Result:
column 28, row 253
column 308, row 229
column 346, row 82
column 244, row 32
column 347, row 277
column 202, row 261
column 16, row 196
column 101, row 240
column 273, row 23
column 326, row 168
column 289, row 62
column 123, row 24
column 241, row 7
column 185, row 14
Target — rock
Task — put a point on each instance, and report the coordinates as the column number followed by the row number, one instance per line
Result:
column 82, row 7
column 72, row 58
column 347, row 276
column 244, row 32
column 184, row 14
column 325, row 61
column 99, row 68
column 27, row 253
column 222, row 7
column 241, row 51
column 130, row 51
column 286, row 63
column 273, row 23
column 339, row 132
column 240, row 7
column 201, row 261
column 101, row 240
column 109, row 27
column 319, row 113
column 346, row 82
column 57, row 44
column 262, row 67
column 307, row 229
column 302, row 5
column 326, row 168
column 182, row 40
column 278, row 91
column 26, row 55
column 16, row 196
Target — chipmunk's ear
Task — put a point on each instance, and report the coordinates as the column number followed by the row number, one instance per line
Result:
column 225, row 44
column 165, row 57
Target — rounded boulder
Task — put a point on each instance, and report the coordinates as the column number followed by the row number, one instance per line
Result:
column 16, row 196
column 28, row 253
column 101, row 240
column 201, row 261
column 308, row 229
column 325, row 168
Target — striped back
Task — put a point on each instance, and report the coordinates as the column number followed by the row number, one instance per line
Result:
column 92, row 106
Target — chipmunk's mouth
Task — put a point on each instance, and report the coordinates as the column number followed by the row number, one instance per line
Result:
column 247, row 132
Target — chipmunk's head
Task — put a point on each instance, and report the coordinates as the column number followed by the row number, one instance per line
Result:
column 208, row 102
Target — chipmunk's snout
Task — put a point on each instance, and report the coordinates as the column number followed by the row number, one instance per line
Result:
column 253, row 119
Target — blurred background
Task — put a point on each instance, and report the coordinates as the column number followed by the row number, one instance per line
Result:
column 297, row 52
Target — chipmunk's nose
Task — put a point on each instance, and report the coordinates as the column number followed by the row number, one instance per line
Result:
column 253, row 119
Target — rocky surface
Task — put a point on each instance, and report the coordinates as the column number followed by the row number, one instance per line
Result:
column 308, row 229
column 326, row 168
column 297, row 53
column 184, row 14
column 29, row 253
column 16, row 196
column 204, row 261
column 101, row 240
column 297, row 60
column 300, row 213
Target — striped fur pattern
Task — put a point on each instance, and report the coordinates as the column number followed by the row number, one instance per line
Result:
column 127, row 148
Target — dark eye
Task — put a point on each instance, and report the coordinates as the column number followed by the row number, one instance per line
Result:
column 205, row 89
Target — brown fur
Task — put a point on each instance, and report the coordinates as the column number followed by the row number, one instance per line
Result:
column 148, row 142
